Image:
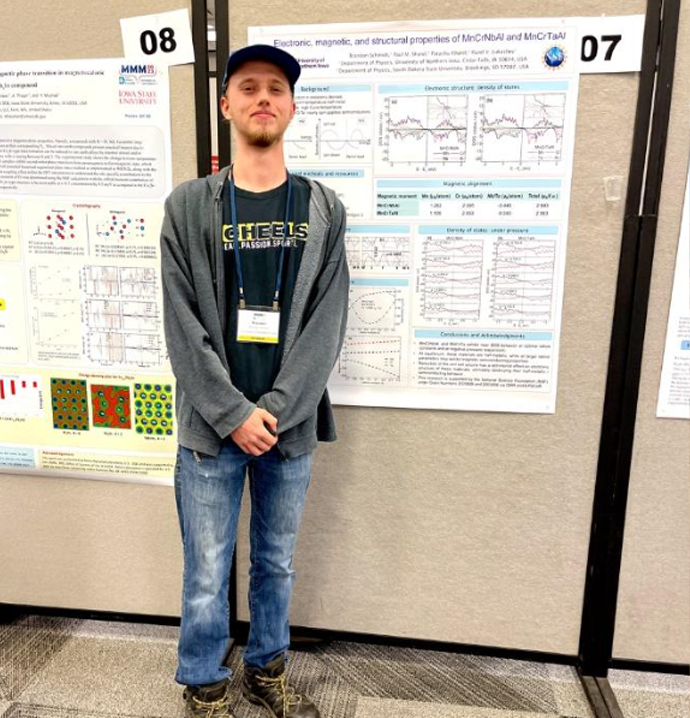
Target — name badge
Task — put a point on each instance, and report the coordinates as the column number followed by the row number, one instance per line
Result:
column 258, row 324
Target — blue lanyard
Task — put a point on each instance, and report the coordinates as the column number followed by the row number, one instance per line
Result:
column 236, row 243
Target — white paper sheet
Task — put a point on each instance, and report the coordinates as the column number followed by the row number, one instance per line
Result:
column 85, row 164
column 674, row 390
column 451, row 145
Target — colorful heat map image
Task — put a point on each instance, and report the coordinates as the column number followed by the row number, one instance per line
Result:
column 153, row 409
column 70, row 404
column 111, row 406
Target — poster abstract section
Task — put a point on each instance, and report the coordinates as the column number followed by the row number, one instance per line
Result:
column 85, row 164
column 451, row 145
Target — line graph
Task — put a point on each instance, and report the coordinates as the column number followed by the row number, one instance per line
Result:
column 301, row 139
column 370, row 360
column 143, row 349
column 108, row 281
column 56, row 281
column 345, row 138
column 450, row 279
column 138, row 281
column 103, row 314
column 424, row 129
column 101, row 281
column 122, row 331
column 105, row 347
column 521, row 128
column 523, row 276
column 374, row 308
column 56, row 324
column 384, row 252
column 140, row 316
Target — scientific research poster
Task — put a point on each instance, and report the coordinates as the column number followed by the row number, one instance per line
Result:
column 451, row 145
column 85, row 164
column 674, row 390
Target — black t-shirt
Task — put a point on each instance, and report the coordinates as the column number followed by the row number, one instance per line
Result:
column 261, row 219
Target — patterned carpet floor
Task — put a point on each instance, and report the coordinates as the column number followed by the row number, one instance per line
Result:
column 74, row 668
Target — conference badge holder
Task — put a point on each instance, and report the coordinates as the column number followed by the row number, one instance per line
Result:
column 258, row 324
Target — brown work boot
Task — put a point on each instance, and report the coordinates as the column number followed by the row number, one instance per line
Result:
column 212, row 701
column 269, row 688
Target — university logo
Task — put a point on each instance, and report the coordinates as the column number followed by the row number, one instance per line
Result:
column 138, row 75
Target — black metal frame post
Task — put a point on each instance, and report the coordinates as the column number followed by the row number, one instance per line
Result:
column 201, row 94
column 222, row 16
column 625, row 354
column 222, row 52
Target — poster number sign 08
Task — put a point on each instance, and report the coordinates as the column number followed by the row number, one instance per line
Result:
column 165, row 38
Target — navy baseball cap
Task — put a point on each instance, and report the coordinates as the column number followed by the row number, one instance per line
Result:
column 266, row 53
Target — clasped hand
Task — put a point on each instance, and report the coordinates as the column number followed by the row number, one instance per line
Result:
column 253, row 437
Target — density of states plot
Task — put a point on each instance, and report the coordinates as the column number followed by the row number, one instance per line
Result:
column 424, row 131
column 522, row 280
column 140, row 282
column 121, row 331
column 21, row 395
column 70, row 404
column 112, row 281
column 105, row 348
column 521, row 129
column 153, row 409
column 450, row 279
column 101, row 281
column 103, row 314
column 375, row 308
column 111, row 406
column 140, row 316
column 144, row 350
column 371, row 361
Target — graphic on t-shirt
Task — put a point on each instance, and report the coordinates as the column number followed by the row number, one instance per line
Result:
column 264, row 235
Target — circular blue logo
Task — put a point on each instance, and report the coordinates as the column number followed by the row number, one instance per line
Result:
column 554, row 57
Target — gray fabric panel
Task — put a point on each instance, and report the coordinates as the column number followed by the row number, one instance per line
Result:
column 473, row 527
column 653, row 619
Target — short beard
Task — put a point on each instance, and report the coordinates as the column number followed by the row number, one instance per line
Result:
column 262, row 139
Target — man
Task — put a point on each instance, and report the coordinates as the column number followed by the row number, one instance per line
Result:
column 255, row 287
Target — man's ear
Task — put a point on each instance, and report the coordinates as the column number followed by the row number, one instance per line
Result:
column 225, row 108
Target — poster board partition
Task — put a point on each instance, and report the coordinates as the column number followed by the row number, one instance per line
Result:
column 437, row 479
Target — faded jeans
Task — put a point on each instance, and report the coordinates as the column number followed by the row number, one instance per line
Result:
column 208, row 491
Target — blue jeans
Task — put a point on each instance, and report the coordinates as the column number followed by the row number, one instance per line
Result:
column 208, row 491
